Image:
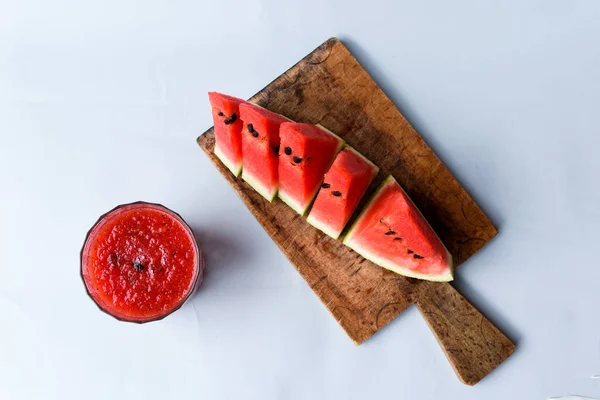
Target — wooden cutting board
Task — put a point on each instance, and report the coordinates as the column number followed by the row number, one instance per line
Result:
column 330, row 87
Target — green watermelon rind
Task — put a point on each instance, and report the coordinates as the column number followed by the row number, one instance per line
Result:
column 326, row 229
column 230, row 164
column 321, row 225
column 263, row 190
column 352, row 149
column 252, row 180
column 299, row 208
column 341, row 141
column 444, row 277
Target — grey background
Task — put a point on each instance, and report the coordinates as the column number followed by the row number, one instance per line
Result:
column 100, row 104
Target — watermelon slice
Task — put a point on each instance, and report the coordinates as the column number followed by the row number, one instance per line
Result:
column 306, row 153
column 228, row 130
column 260, row 148
column 392, row 233
column 343, row 187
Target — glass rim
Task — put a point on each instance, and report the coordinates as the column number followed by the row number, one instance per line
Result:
column 198, row 264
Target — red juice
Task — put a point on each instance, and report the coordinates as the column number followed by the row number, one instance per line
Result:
column 140, row 262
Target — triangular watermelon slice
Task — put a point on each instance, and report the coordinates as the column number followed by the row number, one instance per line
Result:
column 260, row 148
column 306, row 153
column 228, row 130
column 343, row 186
column 392, row 233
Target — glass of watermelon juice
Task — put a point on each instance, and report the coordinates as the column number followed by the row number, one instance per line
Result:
column 140, row 262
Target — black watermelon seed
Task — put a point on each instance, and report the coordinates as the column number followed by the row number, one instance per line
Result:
column 138, row 266
column 397, row 238
column 288, row 150
column 231, row 120
column 297, row 160
column 410, row 251
column 250, row 128
column 390, row 233
column 336, row 193
column 221, row 114
column 276, row 150
column 418, row 256
column 325, row 186
column 254, row 133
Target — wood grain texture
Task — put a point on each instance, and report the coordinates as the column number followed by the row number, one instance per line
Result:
column 331, row 88
column 472, row 344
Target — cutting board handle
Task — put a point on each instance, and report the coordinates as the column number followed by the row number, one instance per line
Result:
column 473, row 345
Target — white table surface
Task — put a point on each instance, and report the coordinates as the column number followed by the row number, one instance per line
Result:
column 100, row 104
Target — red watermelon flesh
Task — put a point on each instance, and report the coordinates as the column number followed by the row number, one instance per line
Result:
column 392, row 233
column 260, row 148
column 228, row 130
column 305, row 154
column 343, row 187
